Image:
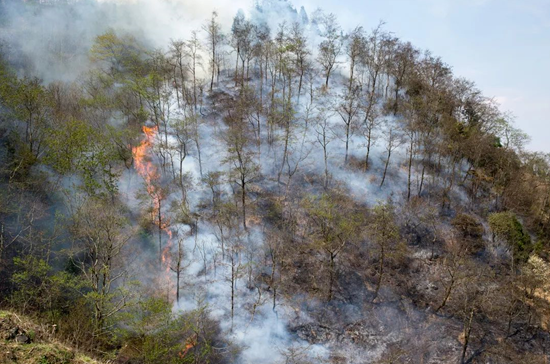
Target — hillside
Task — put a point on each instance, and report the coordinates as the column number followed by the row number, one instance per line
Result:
column 23, row 341
column 279, row 189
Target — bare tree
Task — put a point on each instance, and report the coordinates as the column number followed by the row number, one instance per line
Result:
column 393, row 140
column 410, row 132
column 355, row 51
column 369, row 126
column 241, row 159
column 348, row 109
column 177, row 265
column 300, row 152
column 179, row 69
column 242, row 40
column 215, row 38
column 301, row 52
column 331, row 46
column 325, row 135
column 193, row 48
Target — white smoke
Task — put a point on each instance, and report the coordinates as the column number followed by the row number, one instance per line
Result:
column 55, row 42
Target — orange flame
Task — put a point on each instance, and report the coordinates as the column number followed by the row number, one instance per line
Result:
column 146, row 169
column 150, row 174
column 190, row 343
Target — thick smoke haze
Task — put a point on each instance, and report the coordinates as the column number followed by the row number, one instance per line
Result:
column 228, row 273
column 55, row 40
column 68, row 33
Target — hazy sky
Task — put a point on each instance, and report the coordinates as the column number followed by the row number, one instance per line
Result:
column 501, row 45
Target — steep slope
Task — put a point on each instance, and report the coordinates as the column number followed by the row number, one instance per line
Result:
column 324, row 198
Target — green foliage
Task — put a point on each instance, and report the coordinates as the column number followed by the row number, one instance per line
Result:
column 101, row 232
column 119, row 54
column 68, row 145
column 161, row 336
column 75, row 147
column 507, row 227
column 383, row 230
column 30, row 104
column 382, row 226
column 333, row 225
column 153, row 329
column 39, row 288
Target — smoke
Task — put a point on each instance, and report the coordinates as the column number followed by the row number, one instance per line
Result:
column 259, row 330
column 52, row 42
column 52, row 39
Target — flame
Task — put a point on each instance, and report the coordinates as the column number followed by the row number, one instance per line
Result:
column 190, row 343
column 145, row 167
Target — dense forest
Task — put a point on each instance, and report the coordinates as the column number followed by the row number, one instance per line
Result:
column 280, row 189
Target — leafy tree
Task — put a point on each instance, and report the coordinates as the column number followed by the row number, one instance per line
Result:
column 102, row 234
column 384, row 233
column 332, row 227
column 31, row 104
column 505, row 226
column 117, row 55
column 160, row 336
column 68, row 145
column 40, row 288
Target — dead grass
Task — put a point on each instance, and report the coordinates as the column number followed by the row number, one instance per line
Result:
column 41, row 351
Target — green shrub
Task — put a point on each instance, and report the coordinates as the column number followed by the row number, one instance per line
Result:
column 505, row 226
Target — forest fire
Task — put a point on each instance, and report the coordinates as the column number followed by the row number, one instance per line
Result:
column 190, row 343
column 251, row 183
column 150, row 174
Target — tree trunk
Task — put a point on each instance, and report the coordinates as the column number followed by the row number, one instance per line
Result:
column 243, row 201
column 380, row 272
column 411, row 146
column 348, row 126
column 233, row 277
column 447, row 295
column 368, row 151
column 300, row 82
column 213, row 65
column 331, row 275
column 237, row 68
column 467, row 331
column 386, row 168
column 160, row 230
column 326, row 165
column 197, row 144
